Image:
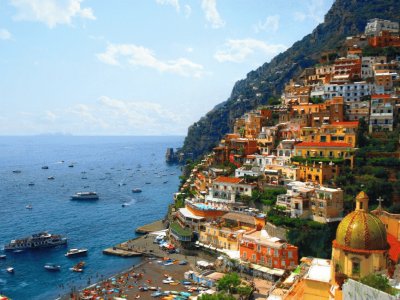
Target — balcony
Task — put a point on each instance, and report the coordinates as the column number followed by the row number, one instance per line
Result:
column 181, row 234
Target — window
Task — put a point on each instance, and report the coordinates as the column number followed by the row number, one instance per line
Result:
column 258, row 248
column 290, row 254
column 253, row 257
column 356, row 267
column 283, row 263
column 276, row 253
column 244, row 255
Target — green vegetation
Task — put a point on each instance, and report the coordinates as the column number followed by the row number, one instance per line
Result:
column 379, row 282
column 217, row 296
column 266, row 197
column 179, row 230
column 390, row 52
column 312, row 238
column 232, row 284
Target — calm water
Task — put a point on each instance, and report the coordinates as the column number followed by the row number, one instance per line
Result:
column 109, row 162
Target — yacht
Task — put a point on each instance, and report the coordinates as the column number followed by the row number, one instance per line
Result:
column 52, row 267
column 85, row 196
column 76, row 252
column 137, row 190
column 37, row 240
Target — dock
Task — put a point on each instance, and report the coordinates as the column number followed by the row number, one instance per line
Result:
column 156, row 226
column 120, row 252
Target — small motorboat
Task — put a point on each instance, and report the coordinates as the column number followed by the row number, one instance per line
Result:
column 10, row 270
column 136, row 190
column 17, row 171
column 3, row 256
column 147, row 182
column 71, row 166
column 31, row 184
column 183, row 262
column 78, row 267
column 52, row 267
column 156, row 294
column 45, row 167
column 29, row 206
column 168, row 280
column 165, row 182
column 76, row 252
column 50, row 178
column 125, row 204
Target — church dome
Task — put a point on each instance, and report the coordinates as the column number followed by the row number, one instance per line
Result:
column 362, row 230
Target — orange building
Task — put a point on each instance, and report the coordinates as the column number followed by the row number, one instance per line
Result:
column 384, row 39
column 259, row 248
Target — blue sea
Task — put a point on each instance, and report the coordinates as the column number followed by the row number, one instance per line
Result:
column 112, row 166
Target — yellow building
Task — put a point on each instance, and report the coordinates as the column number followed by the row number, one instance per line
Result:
column 318, row 173
column 342, row 132
column 337, row 152
column 391, row 221
column 227, row 233
column 361, row 246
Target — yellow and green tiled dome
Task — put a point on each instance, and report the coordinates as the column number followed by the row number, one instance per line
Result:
column 362, row 230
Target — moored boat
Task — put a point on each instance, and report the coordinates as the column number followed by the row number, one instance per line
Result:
column 3, row 256
column 136, row 190
column 52, row 267
column 38, row 240
column 85, row 196
column 10, row 270
column 45, row 167
column 78, row 267
column 76, row 252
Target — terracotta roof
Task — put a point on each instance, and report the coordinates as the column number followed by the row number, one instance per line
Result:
column 348, row 123
column 394, row 250
column 228, row 179
column 323, row 144
column 381, row 96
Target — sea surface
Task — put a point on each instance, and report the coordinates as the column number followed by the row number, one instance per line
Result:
column 112, row 166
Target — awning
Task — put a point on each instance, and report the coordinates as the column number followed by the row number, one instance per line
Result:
column 277, row 272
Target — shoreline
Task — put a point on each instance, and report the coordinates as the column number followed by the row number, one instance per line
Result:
column 149, row 253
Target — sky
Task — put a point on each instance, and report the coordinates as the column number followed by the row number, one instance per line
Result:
column 134, row 67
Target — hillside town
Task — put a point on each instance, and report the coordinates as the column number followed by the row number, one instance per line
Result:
column 304, row 192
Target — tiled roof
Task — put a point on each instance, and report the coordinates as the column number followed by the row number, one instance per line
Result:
column 323, row 144
column 382, row 96
column 223, row 179
column 349, row 123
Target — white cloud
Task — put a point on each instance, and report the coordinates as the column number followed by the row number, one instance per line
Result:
column 212, row 15
column 4, row 34
column 173, row 3
column 51, row 116
column 51, row 12
column 239, row 50
column 271, row 24
column 187, row 11
column 144, row 57
column 315, row 9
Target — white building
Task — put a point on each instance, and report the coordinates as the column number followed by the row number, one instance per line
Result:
column 367, row 63
column 228, row 189
column 375, row 26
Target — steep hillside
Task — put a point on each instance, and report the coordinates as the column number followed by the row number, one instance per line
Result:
column 346, row 17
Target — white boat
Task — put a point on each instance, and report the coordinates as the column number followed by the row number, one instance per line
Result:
column 38, row 240
column 51, row 178
column 29, row 206
column 3, row 256
column 52, row 267
column 76, row 252
column 85, row 196
column 125, row 204
column 10, row 270
column 137, row 190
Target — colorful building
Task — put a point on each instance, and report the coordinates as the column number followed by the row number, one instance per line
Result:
column 260, row 248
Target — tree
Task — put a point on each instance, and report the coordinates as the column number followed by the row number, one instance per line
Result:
column 217, row 296
column 229, row 282
column 379, row 282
